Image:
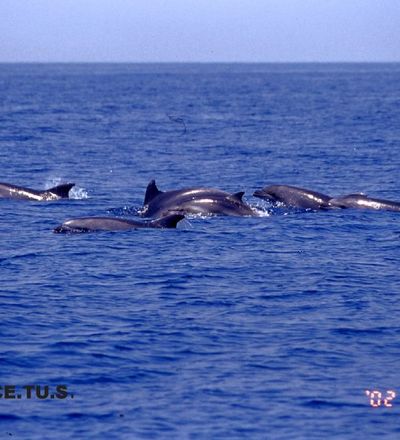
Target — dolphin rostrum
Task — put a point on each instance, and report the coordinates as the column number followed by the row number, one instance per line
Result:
column 18, row 192
column 91, row 224
column 203, row 201
column 294, row 197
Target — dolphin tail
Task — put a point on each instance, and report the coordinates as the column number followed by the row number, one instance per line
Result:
column 151, row 192
column 169, row 221
column 60, row 190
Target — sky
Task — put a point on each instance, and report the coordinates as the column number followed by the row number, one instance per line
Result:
column 199, row 30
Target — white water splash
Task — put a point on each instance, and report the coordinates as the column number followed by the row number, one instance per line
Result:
column 76, row 192
column 261, row 210
column 262, row 213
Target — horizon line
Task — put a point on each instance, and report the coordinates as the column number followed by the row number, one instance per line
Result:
column 202, row 62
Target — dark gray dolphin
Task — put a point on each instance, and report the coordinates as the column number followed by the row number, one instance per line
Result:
column 361, row 201
column 294, row 197
column 22, row 193
column 89, row 224
column 204, row 201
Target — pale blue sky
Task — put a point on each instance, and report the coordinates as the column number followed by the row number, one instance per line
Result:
column 199, row 30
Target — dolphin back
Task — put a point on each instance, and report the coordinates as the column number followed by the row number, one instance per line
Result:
column 91, row 224
column 362, row 201
column 294, row 196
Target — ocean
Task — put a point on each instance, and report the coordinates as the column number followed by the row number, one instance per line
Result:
column 282, row 326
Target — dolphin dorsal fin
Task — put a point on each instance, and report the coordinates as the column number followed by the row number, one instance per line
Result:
column 151, row 192
column 237, row 197
column 169, row 221
column 60, row 190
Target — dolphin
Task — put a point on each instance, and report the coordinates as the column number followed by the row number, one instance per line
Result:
column 19, row 192
column 90, row 224
column 295, row 197
column 203, row 201
column 362, row 201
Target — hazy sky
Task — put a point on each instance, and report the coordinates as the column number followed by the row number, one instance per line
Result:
column 200, row 30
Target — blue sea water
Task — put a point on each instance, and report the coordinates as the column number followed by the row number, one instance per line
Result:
column 226, row 328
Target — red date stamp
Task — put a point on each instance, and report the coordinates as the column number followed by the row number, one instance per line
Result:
column 381, row 399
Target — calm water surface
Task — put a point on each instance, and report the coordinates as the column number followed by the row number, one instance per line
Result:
column 226, row 328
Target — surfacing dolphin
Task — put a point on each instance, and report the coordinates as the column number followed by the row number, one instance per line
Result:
column 203, row 201
column 295, row 197
column 21, row 193
column 361, row 201
column 92, row 224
